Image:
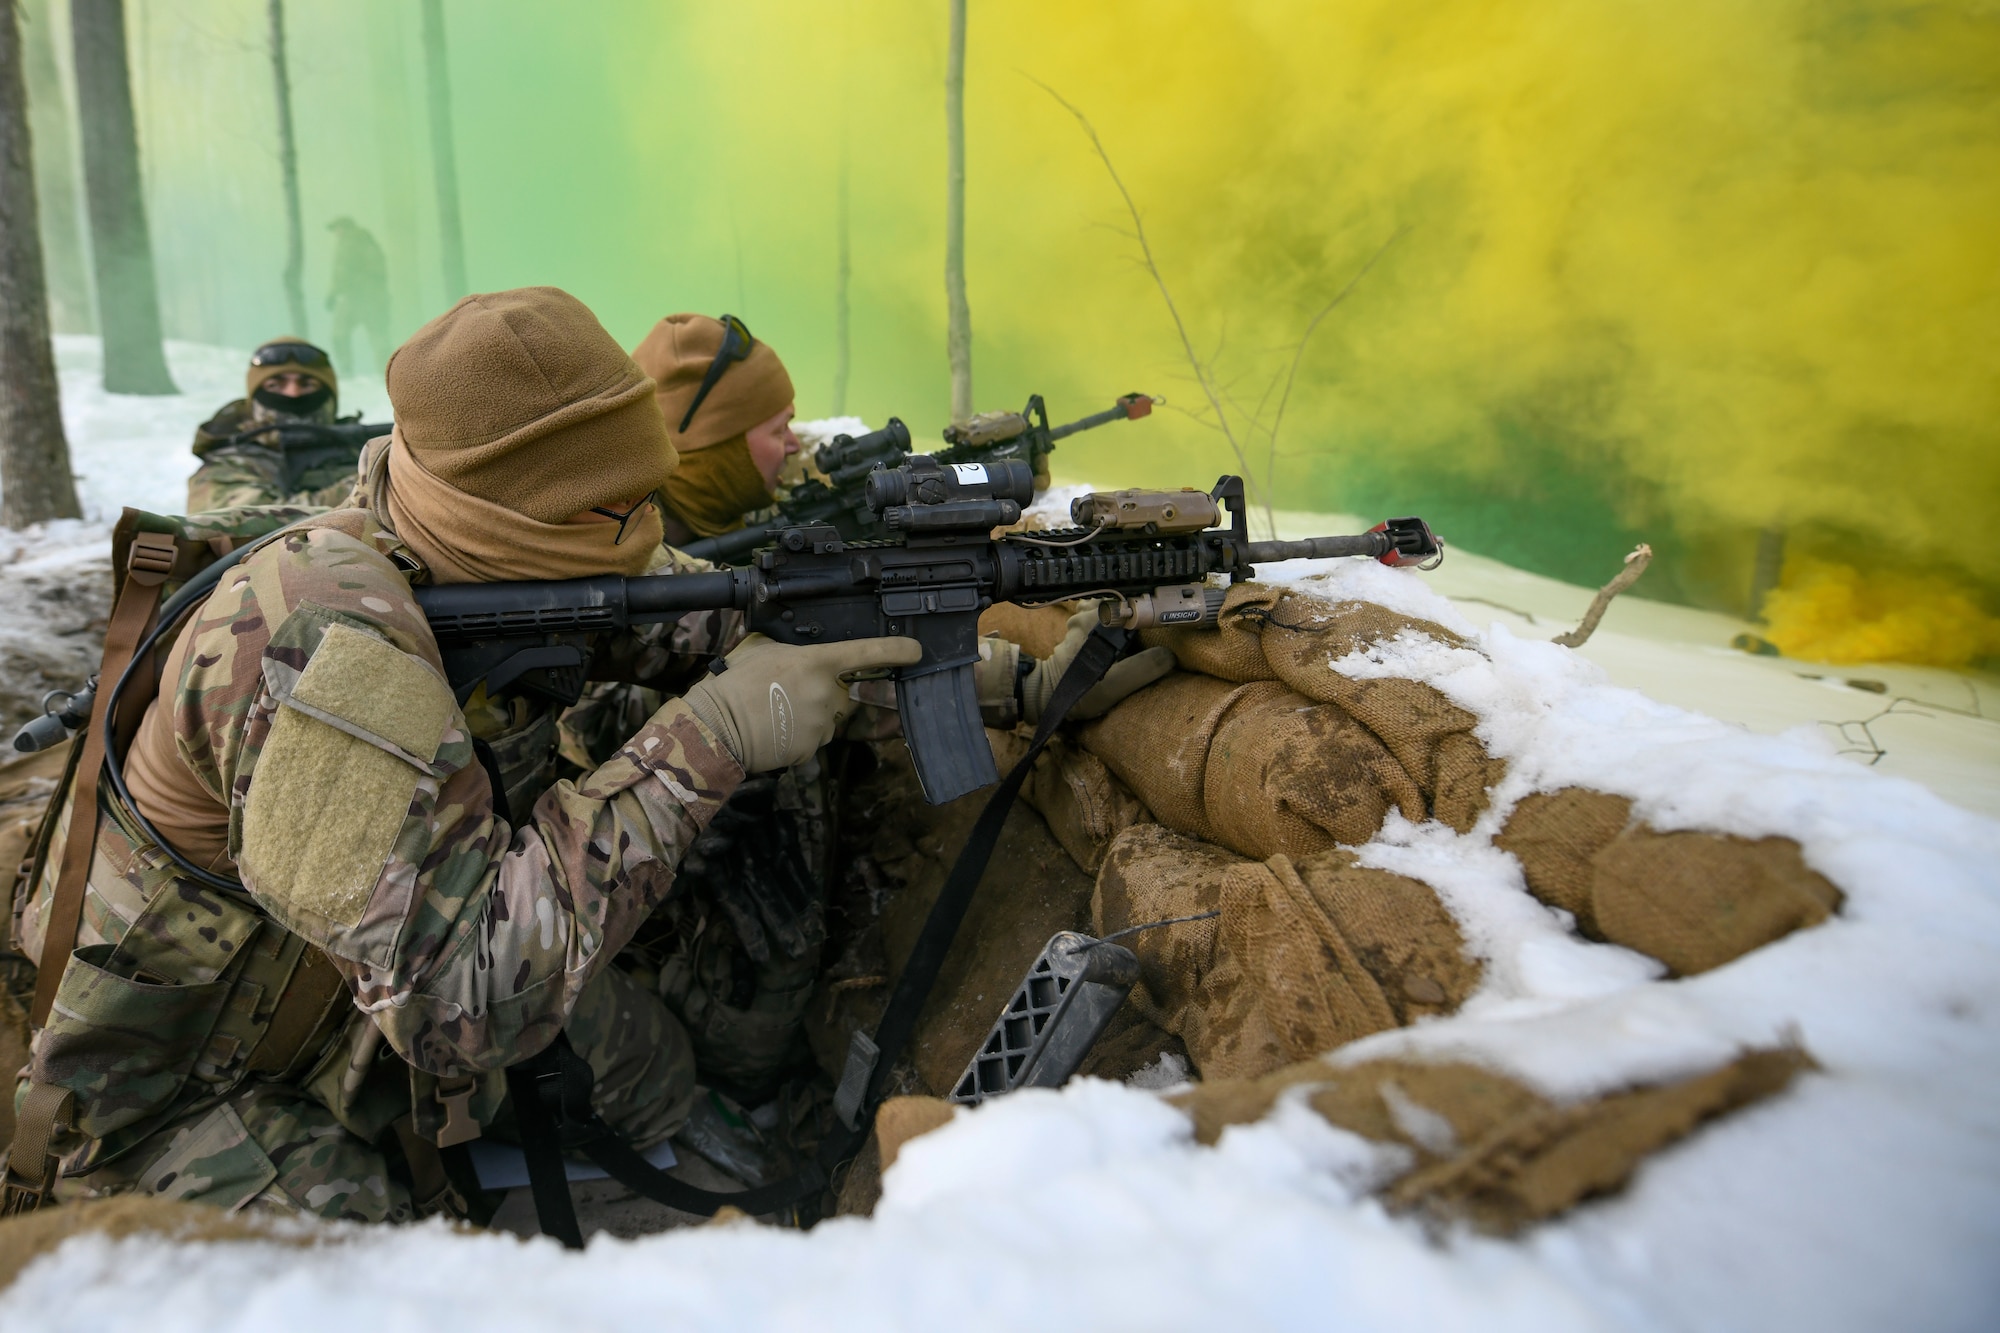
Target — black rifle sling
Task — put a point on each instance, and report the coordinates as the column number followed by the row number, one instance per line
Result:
column 541, row 1142
column 561, row 1066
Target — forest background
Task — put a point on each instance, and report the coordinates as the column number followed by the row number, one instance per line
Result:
column 1703, row 274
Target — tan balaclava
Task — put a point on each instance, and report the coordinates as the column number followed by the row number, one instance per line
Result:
column 717, row 482
column 514, row 412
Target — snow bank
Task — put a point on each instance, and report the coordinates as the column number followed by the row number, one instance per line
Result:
column 1867, row 1197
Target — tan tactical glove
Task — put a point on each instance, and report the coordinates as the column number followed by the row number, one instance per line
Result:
column 774, row 704
column 1000, row 670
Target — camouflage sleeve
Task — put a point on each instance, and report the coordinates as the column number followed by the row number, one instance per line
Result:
column 364, row 822
column 234, row 476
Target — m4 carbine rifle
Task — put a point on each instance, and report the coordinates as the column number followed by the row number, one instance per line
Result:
column 1146, row 555
column 846, row 460
column 305, row 445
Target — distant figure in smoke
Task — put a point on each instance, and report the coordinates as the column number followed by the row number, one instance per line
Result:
column 359, row 296
column 289, row 382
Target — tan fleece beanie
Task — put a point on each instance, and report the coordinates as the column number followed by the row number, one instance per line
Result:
column 523, row 399
column 677, row 354
column 254, row 378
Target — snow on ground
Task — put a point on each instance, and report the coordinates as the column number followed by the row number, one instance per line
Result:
column 1867, row 1197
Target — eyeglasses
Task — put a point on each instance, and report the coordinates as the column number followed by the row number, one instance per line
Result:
column 624, row 519
column 288, row 354
column 736, row 345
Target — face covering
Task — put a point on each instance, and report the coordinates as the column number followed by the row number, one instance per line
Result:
column 715, row 487
column 305, row 405
column 463, row 539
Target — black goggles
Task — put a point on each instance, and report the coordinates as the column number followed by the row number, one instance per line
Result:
column 736, row 345
column 289, row 354
column 624, row 519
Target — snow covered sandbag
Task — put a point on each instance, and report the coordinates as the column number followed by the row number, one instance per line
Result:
column 28, row 1236
column 1306, row 955
column 1267, row 633
column 1468, row 1143
column 1691, row 899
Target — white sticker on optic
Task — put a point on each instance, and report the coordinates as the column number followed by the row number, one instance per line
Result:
column 970, row 474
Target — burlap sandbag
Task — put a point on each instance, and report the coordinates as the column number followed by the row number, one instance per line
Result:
column 1696, row 900
column 1484, row 1148
column 28, row 1236
column 1554, row 835
column 1254, row 767
column 1233, row 647
column 1158, row 742
column 1305, row 957
column 1538, row 1163
column 1693, row 900
column 1267, row 633
column 1081, row 800
column 1038, row 629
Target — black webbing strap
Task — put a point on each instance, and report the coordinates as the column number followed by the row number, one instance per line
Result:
column 558, row 1080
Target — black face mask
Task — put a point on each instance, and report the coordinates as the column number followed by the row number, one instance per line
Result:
column 303, row 406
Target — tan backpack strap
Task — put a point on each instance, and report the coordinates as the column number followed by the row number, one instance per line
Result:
column 34, row 1162
column 147, row 567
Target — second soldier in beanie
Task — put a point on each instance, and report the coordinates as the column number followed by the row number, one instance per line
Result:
column 728, row 403
column 289, row 382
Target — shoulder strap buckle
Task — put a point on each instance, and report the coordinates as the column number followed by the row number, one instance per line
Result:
column 46, row 1113
column 152, row 557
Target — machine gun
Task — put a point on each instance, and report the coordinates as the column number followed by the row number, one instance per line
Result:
column 305, row 445
column 841, row 499
column 1146, row 555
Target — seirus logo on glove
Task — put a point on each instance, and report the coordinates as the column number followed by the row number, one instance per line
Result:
column 781, row 717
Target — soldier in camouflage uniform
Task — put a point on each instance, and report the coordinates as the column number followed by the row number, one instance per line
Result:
column 305, row 743
column 738, row 953
column 290, row 381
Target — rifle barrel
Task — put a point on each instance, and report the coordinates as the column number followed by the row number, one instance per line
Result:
column 729, row 546
column 1375, row 544
column 1116, row 412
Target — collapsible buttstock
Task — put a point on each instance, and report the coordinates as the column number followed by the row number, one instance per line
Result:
column 947, row 740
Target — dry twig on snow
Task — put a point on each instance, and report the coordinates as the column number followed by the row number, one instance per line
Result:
column 1635, row 565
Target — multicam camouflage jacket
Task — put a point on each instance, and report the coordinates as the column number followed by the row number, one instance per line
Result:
column 312, row 708
column 250, row 473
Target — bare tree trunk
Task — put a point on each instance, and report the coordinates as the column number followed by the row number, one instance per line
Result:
column 35, row 483
column 444, row 157
column 288, row 166
column 65, row 265
column 958, row 338
column 128, row 303
column 842, row 274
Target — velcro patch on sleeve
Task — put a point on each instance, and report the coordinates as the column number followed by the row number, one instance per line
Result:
column 376, row 692
column 354, row 733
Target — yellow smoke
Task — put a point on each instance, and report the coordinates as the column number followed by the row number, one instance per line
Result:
column 1742, row 255
column 1709, row 266
column 1826, row 612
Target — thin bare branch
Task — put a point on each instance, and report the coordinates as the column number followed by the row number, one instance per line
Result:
column 1152, row 267
column 1298, row 353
